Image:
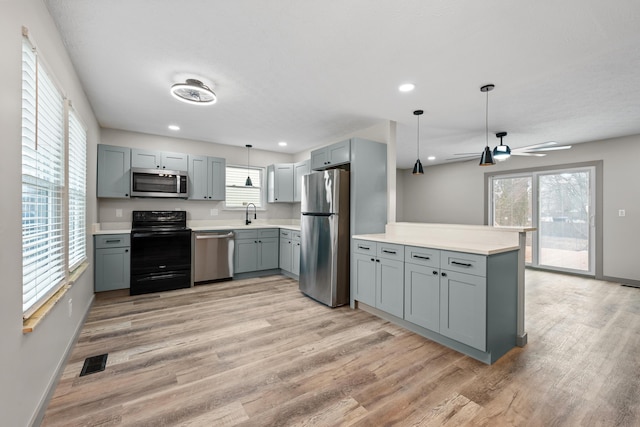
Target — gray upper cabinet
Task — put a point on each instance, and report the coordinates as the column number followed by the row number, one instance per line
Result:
column 158, row 160
column 300, row 169
column 207, row 178
column 114, row 171
column 332, row 155
column 280, row 183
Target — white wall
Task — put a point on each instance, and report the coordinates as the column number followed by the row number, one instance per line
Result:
column 29, row 363
column 454, row 193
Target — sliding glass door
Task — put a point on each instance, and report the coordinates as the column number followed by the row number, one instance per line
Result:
column 560, row 204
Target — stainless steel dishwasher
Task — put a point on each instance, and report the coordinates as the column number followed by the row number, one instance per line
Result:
column 213, row 256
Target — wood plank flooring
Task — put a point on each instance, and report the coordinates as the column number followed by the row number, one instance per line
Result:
column 256, row 352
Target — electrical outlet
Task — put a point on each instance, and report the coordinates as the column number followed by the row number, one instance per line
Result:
column 70, row 307
column 213, row 212
column 621, row 212
column 118, row 213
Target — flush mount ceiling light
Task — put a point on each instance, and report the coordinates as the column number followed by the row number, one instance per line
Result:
column 417, row 168
column 501, row 152
column 174, row 127
column 193, row 92
column 282, row 144
column 406, row 87
column 486, row 159
column 248, row 182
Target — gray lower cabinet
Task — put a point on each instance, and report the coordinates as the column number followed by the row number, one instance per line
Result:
column 256, row 250
column 466, row 301
column 114, row 171
column 378, row 275
column 112, row 262
column 295, row 255
column 290, row 251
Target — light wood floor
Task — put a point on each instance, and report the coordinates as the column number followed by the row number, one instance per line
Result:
column 256, row 352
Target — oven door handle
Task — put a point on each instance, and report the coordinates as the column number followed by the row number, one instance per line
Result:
column 159, row 277
column 155, row 234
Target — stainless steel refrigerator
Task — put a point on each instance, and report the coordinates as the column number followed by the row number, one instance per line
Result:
column 324, row 224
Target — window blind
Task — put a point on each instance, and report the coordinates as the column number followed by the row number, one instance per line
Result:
column 77, row 140
column 237, row 194
column 43, row 254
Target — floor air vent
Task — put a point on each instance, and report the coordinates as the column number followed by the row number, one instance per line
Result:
column 94, row 364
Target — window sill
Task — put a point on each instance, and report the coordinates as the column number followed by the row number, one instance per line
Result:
column 29, row 324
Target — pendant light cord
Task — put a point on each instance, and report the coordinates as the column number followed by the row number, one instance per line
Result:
column 486, row 121
column 418, row 137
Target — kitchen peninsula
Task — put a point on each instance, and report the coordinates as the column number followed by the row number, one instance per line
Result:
column 459, row 285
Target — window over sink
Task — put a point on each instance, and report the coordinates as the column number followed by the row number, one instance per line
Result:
column 238, row 195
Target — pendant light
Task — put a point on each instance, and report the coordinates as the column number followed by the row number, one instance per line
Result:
column 248, row 183
column 486, row 159
column 417, row 168
column 501, row 152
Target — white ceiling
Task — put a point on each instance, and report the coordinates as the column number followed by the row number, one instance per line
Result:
column 309, row 71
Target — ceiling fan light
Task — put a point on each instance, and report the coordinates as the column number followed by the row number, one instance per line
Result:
column 486, row 159
column 501, row 152
column 417, row 168
column 194, row 92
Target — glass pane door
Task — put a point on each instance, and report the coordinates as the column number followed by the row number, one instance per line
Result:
column 564, row 222
column 512, row 205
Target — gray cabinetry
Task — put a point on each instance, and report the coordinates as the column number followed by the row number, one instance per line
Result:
column 256, row 250
column 207, row 178
column 422, row 287
column 158, row 160
column 114, row 171
column 390, row 278
column 332, row 155
column 378, row 275
column 465, row 301
column 300, row 169
column 280, row 183
column 290, row 251
column 286, row 250
column 112, row 262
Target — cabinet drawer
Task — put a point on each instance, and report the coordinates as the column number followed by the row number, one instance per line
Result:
column 464, row 263
column 422, row 256
column 268, row 232
column 286, row 234
column 246, row 234
column 364, row 247
column 112, row 241
column 390, row 251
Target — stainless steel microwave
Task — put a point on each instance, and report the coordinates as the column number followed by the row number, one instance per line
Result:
column 158, row 183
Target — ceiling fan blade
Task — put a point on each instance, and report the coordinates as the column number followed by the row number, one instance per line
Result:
column 524, row 153
column 466, row 154
column 537, row 146
column 559, row 147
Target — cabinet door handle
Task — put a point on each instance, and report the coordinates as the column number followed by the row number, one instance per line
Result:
column 461, row 264
column 389, row 252
column 377, row 260
column 126, row 250
column 435, row 272
column 444, row 274
column 372, row 259
column 420, row 257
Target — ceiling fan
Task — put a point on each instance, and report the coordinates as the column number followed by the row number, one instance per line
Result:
column 535, row 150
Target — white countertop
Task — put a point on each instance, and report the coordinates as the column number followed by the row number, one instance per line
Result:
column 207, row 227
column 481, row 248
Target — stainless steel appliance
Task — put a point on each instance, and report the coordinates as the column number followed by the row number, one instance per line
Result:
column 160, row 251
column 158, row 183
column 213, row 256
column 324, row 226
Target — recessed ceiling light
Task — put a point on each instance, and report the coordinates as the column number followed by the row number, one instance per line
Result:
column 431, row 158
column 174, row 127
column 282, row 144
column 406, row 87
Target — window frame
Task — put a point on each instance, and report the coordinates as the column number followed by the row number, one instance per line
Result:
column 40, row 92
column 261, row 172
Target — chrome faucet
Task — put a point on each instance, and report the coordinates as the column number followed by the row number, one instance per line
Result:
column 247, row 221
